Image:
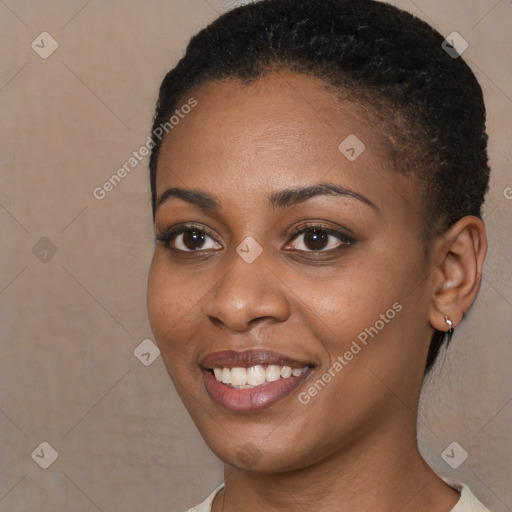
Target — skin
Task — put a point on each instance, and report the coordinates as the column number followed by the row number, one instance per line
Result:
column 353, row 446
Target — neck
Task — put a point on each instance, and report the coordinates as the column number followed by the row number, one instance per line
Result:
column 383, row 475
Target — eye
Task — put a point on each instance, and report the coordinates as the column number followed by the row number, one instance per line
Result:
column 188, row 239
column 318, row 239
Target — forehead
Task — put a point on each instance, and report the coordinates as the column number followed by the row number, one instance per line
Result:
column 280, row 130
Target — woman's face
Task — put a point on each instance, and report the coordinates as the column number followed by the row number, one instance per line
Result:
column 343, row 307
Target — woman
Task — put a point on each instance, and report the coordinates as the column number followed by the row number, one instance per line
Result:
column 318, row 173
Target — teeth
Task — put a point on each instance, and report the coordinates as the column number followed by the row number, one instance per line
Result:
column 238, row 377
column 286, row 372
column 226, row 376
column 273, row 372
column 255, row 375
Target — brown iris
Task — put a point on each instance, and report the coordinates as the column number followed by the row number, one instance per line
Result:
column 193, row 239
column 315, row 240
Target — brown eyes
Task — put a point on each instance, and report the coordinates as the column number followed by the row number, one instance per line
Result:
column 319, row 238
column 194, row 240
column 188, row 239
column 310, row 238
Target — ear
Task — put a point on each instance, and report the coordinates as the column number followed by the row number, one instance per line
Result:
column 459, row 256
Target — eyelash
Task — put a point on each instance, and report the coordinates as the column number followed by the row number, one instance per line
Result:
column 342, row 237
column 167, row 237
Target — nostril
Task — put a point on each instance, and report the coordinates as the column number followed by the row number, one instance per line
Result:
column 215, row 321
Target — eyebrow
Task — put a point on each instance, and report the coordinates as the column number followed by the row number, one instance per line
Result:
column 281, row 199
column 196, row 197
column 292, row 196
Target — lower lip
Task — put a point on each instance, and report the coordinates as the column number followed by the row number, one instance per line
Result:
column 251, row 399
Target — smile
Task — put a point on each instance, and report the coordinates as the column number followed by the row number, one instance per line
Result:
column 252, row 380
column 254, row 376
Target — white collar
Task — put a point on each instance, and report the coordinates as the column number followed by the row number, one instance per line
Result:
column 467, row 501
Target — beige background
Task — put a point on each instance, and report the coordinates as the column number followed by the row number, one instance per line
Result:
column 70, row 321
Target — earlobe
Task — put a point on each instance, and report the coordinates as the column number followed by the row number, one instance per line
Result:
column 459, row 259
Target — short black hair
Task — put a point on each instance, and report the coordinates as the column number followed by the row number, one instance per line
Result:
column 427, row 103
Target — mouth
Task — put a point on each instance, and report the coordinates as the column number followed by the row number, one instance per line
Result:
column 252, row 380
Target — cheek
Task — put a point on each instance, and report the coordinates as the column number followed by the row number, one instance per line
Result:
column 363, row 309
column 160, row 298
column 347, row 299
column 173, row 300
column 378, row 338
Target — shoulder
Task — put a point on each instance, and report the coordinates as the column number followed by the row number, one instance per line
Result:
column 468, row 502
column 206, row 505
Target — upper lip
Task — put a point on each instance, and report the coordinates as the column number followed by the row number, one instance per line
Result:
column 248, row 358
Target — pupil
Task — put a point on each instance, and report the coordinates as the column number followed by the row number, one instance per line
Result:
column 315, row 239
column 191, row 239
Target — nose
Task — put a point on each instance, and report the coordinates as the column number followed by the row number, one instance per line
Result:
column 247, row 294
